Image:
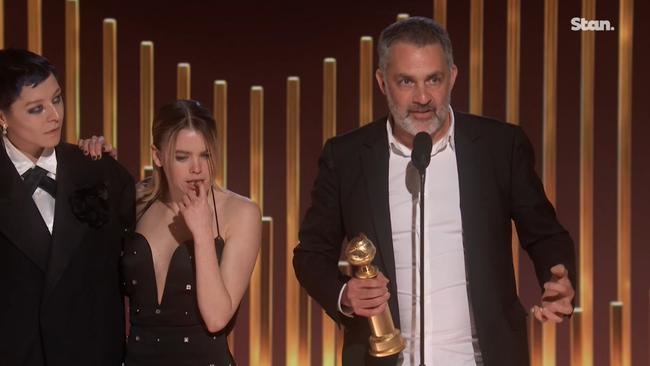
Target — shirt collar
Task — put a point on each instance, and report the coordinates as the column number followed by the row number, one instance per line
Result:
column 47, row 160
column 400, row 149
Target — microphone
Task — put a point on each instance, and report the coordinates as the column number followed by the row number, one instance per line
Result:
column 421, row 154
column 420, row 158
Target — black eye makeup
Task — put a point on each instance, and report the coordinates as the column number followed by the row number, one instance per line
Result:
column 39, row 108
column 35, row 110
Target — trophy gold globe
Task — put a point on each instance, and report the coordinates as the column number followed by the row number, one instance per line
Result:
column 385, row 339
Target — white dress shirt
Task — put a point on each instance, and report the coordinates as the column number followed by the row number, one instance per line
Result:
column 44, row 202
column 448, row 329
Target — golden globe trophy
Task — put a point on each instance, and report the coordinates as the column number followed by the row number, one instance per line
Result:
column 385, row 340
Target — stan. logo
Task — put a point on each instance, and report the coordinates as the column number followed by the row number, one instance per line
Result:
column 582, row 24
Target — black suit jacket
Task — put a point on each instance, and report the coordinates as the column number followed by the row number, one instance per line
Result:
column 497, row 183
column 61, row 302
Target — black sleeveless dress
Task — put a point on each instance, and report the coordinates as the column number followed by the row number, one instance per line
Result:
column 172, row 332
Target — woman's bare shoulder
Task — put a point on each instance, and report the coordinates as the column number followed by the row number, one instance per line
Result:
column 238, row 207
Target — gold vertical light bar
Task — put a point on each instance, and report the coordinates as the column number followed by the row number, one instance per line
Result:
column 146, row 106
column 576, row 338
column 257, row 145
column 365, row 80
column 586, row 262
column 513, row 54
column 550, row 143
column 257, row 196
column 476, row 57
column 298, row 332
column 624, row 235
column 550, row 98
column 293, row 150
column 329, row 98
column 616, row 330
column 110, row 80
column 2, row 24
column 35, row 26
column 331, row 338
column 440, row 12
column 535, row 341
column 402, row 16
column 220, row 115
column 72, row 73
column 266, row 317
column 220, row 105
column 183, row 81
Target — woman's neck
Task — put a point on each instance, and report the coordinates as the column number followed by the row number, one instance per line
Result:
column 32, row 152
column 174, row 221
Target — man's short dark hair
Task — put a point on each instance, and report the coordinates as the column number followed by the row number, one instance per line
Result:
column 418, row 31
column 20, row 68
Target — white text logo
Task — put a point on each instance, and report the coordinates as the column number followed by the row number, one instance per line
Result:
column 582, row 24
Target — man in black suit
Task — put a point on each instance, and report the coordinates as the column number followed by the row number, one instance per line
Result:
column 62, row 218
column 480, row 178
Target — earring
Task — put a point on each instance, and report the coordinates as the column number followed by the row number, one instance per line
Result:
column 4, row 129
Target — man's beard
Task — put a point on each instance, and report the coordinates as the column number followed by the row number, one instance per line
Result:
column 407, row 123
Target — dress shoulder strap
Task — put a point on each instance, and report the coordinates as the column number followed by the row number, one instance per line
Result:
column 216, row 217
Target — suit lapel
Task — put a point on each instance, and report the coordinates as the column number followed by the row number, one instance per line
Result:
column 468, row 161
column 20, row 220
column 374, row 160
column 68, row 232
column 469, row 172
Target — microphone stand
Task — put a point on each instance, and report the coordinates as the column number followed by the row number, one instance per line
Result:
column 422, row 180
column 420, row 158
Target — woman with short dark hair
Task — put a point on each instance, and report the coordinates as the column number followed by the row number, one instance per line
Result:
column 62, row 217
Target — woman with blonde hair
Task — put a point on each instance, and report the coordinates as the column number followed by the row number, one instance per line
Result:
column 188, row 264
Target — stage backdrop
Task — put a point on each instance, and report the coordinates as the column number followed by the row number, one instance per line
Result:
column 262, row 43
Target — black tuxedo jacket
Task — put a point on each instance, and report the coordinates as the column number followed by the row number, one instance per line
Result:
column 61, row 302
column 497, row 183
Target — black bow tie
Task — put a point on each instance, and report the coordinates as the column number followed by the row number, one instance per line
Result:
column 37, row 177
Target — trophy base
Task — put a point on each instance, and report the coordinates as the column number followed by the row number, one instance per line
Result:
column 387, row 345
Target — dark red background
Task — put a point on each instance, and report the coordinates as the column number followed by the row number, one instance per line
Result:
column 261, row 43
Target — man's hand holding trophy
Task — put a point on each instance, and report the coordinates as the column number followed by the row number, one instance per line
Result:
column 367, row 295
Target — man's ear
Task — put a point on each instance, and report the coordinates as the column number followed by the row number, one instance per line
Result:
column 156, row 156
column 381, row 80
column 453, row 74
